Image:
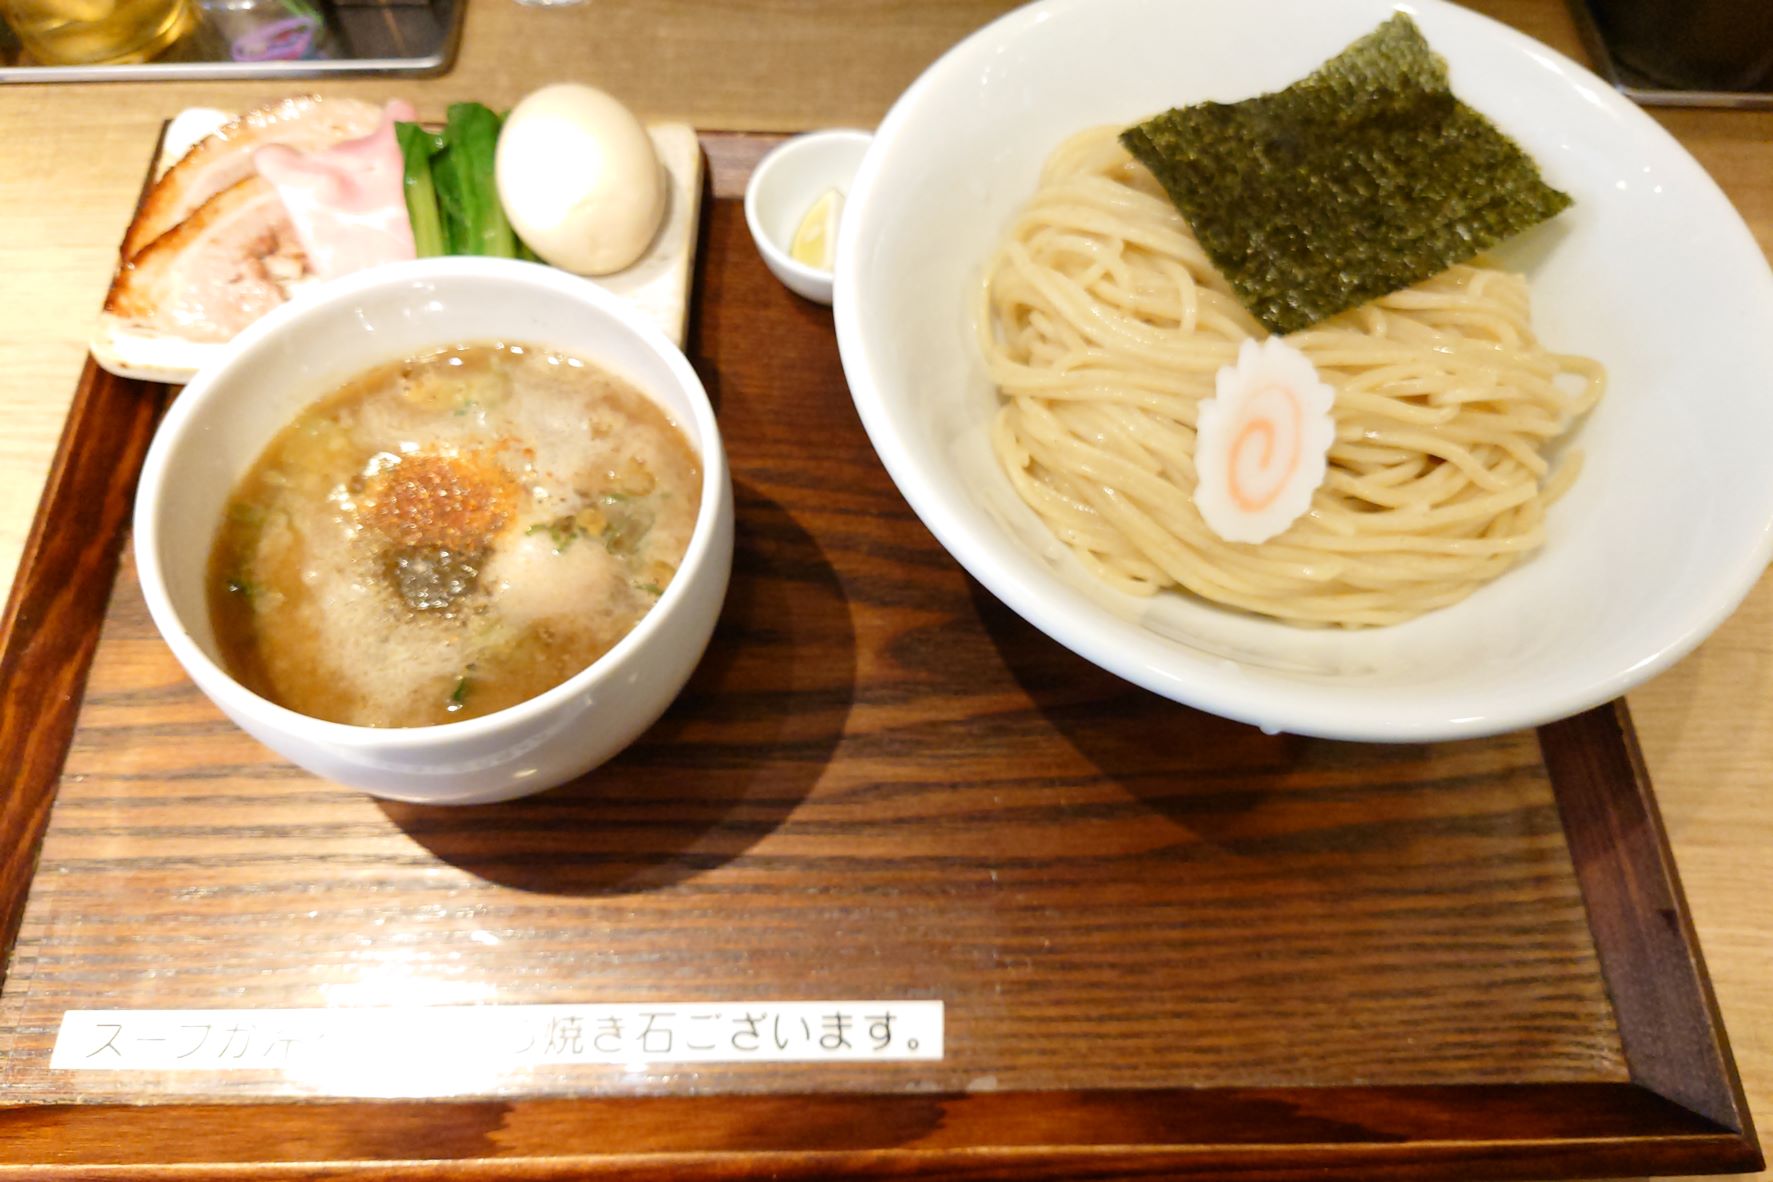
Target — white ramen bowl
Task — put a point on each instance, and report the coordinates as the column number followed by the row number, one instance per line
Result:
column 1652, row 272
column 223, row 420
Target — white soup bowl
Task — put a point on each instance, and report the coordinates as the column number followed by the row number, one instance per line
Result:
column 221, row 423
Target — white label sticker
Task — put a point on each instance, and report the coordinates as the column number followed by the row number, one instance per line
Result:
column 498, row 1038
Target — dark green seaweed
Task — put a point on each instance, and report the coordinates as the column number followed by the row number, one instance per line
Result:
column 1360, row 179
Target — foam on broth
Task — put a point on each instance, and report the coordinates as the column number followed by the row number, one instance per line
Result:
column 450, row 535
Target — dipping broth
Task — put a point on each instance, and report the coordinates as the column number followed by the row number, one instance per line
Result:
column 450, row 535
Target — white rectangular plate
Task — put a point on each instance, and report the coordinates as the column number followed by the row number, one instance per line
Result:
column 658, row 284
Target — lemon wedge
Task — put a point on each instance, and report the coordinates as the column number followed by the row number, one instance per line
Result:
column 815, row 240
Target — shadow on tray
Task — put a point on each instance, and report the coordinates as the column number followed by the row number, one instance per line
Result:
column 1197, row 769
column 741, row 747
column 1295, row 806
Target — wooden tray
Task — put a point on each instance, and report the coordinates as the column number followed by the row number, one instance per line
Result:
column 1167, row 944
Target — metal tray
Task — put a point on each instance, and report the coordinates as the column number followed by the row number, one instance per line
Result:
column 416, row 37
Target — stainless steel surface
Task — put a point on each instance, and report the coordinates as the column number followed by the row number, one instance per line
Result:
column 374, row 37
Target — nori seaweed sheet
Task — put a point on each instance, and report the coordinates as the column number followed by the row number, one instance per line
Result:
column 1363, row 178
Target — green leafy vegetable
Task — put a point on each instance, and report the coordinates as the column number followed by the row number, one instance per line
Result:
column 459, row 697
column 417, row 147
column 451, row 185
column 452, row 196
column 1360, row 179
column 561, row 531
column 471, row 199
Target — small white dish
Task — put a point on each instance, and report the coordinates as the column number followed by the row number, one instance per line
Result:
column 784, row 186
column 1651, row 272
column 222, row 422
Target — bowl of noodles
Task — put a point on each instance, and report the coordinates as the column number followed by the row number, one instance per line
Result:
column 1547, row 481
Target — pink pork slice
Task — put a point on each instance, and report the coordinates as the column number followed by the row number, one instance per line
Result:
column 347, row 202
column 224, row 158
column 217, row 271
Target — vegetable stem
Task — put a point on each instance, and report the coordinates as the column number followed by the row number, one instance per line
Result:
column 417, row 146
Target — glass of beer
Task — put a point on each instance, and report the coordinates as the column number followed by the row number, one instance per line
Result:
column 90, row 32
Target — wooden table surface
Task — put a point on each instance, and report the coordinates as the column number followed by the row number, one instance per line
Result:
column 78, row 154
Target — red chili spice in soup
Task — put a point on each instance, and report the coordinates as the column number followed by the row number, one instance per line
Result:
column 450, row 535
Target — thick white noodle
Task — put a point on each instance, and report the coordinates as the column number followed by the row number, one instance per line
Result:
column 1103, row 325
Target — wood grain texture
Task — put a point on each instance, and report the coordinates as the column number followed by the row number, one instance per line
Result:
column 78, row 154
column 1667, row 1015
column 46, row 637
column 46, row 641
column 1510, row 1132
column 879, row 783
column 1153, row 929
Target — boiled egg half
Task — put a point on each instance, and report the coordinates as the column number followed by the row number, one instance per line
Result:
column 579, row 179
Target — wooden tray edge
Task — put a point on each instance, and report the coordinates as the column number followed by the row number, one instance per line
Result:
column 1686, row 1110
column 51, row 627
column 1669, row 1024
column 1525, row 1131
